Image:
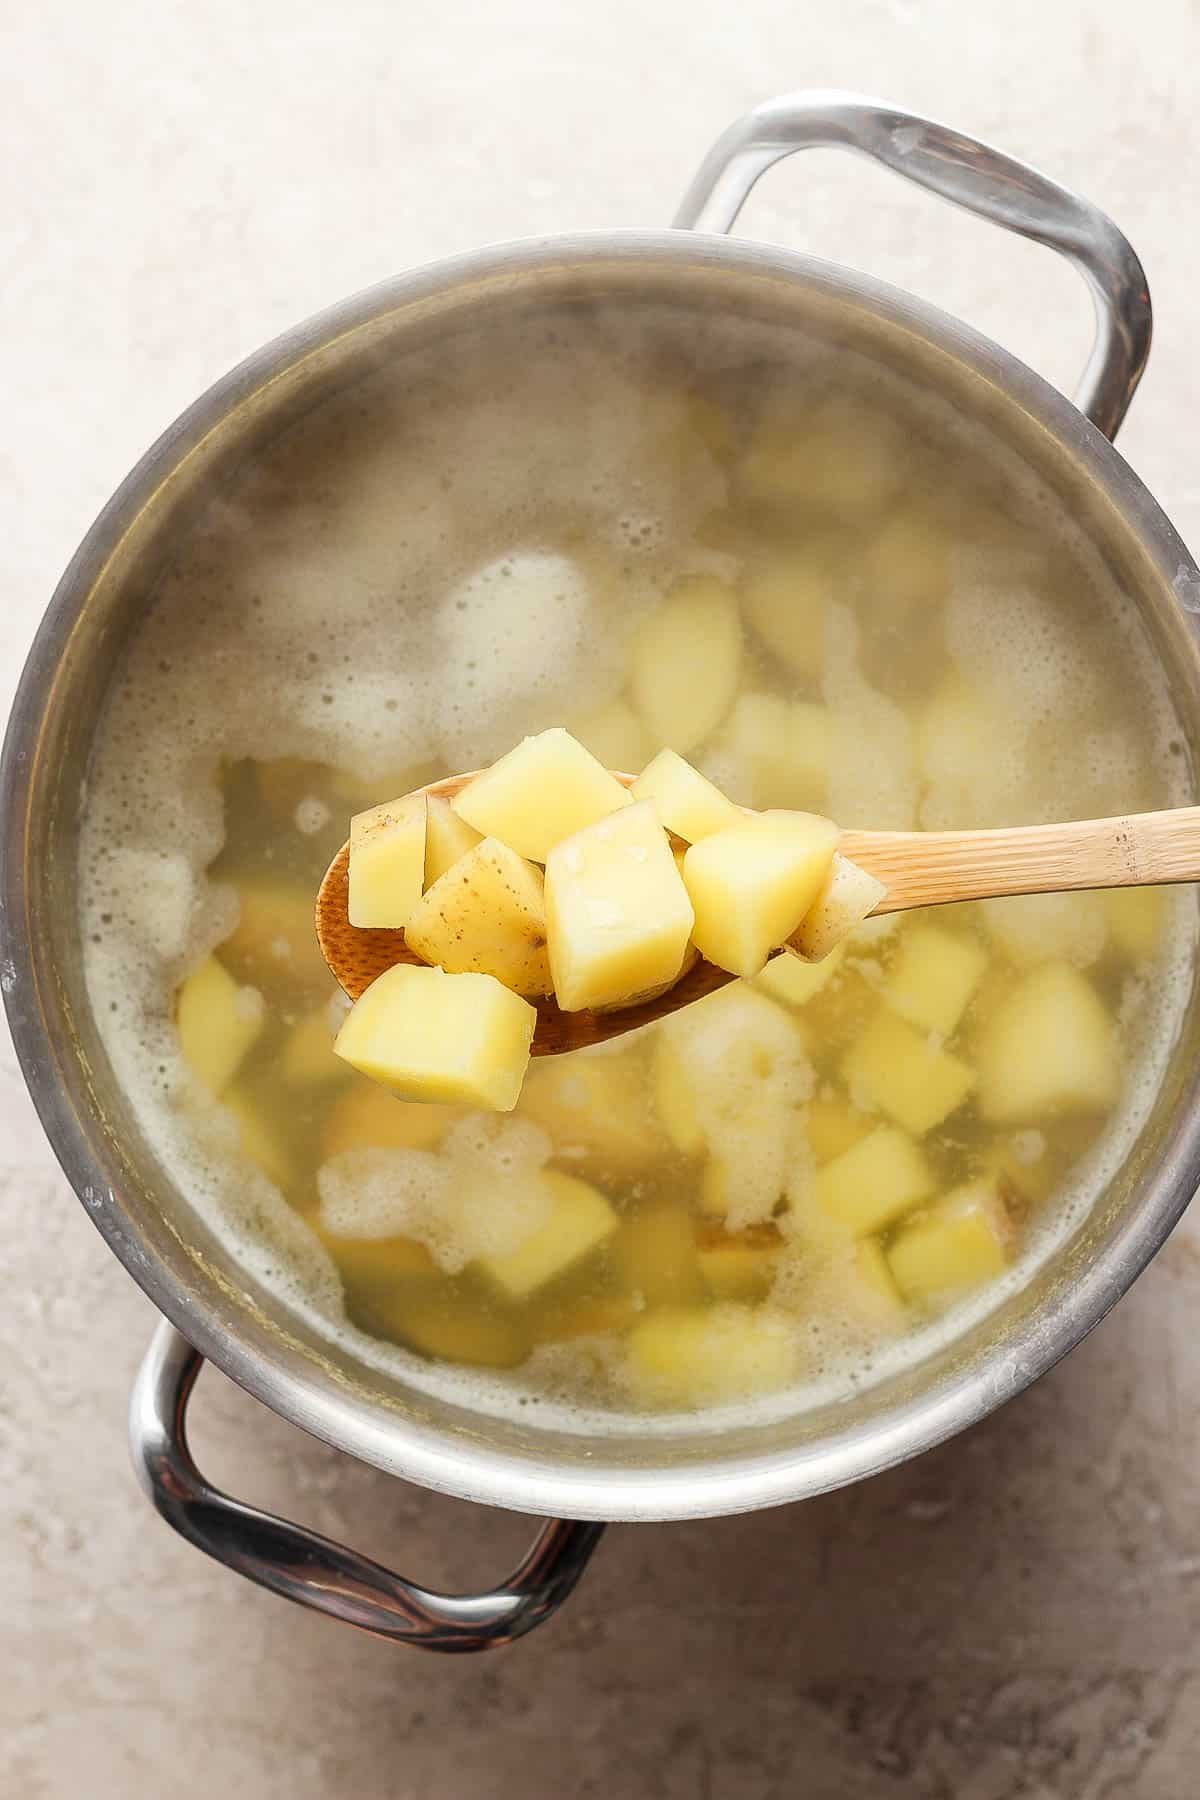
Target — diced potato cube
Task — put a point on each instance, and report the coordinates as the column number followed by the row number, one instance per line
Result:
column 1034, row 928
column 487, row 915
column 873, row 1182
column 377, row 1265
column 906, row 564
column 752, row 884
column 872, row 1292
column 845, row 898
column 686, row 802
column 903, row 1072
column 1135, row 920
column 839, row 1013
column 961, row 1241
column 739, row 1265
column 307, row 1055
column 785, row 596
column 685, row 1356
column 458, row 1333
column 594, row 1315
column 617, row 913
column 218, row 1022
column 837, row 456
column 539, row 793
column 686, row 662
column 274, row 943
column 367, row 1118
column 615, row 736
column 789, row 978
column 784, row 747
column 580, row 1220
column 934, row 976
column 674, row 1098
column 447, row 837
column 387, row 862
column 655, row 1251
column 432, row 1036
column 594, row 1108
column 1049, row 1048
column 832, row 1126
column 258, row 1140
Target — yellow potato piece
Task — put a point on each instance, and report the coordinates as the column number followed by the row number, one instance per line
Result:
column 655, row 1253
column 902, row 1071
column 832, row 1126
column 486, row 914
column 1049, row 1048
column 961, row 1241
column 906, row 564
column 307, row 1055
column 846, row 897
column 579, row 1221
column 686, row 802
column 674, row 1098
column 615, row 735
column 387, row 862
column 785, row 596
column 274, row 943
column 258, row 1139
column 934, row 976
column 871, row 1291
column 751, row 885
column 686, row 662
column 218, row 1022
column 838, row 456
column 617, row 913
column 539, row 793
column 593, row 1316
column 375, row 1266
column 685, row 1356
column 873, row 1182
column 784, row 747
column 460, row 1332
column 594, row 1108
column 1135, row 920
column 789, row 978
column 367, row 1118
column 738, row 1265
column 447, row 837
column 432, row 1036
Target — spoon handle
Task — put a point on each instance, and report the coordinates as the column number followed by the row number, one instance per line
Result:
column 932, row 868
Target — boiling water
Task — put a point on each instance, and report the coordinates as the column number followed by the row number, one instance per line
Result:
column 449, row 556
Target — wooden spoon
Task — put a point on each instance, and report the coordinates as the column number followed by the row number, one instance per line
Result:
column 920, row 868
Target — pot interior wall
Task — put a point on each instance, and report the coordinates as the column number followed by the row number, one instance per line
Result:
column 175, row 1257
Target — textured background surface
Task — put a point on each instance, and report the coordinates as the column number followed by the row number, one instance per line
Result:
column 1016, row 1614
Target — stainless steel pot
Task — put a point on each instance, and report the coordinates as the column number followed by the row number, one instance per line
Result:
column 188, row 1274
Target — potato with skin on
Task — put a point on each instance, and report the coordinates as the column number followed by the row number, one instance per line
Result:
column 934, row 977
column 905, row 1073
column 752, row 884
column 447, row 837
column 218, row 1023
column 1049, row 1049
column 686, row 802
column 387, row 863
column 540, row 793
column 874, row 1182
column 618, row 917
column 959, row 1242
column 846, row 897
column 427, row 1035
column 579, row 1221
column 486, row 915
column 686, row 663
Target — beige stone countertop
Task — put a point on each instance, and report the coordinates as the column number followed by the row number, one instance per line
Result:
column 1016, row 1614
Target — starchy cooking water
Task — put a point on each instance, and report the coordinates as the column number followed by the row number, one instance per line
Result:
column 458, row 552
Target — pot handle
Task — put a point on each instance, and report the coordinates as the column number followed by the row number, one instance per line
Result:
column 971, row 174
column 312, row 1570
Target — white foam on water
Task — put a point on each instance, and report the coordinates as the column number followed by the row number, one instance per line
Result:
column 419, row 572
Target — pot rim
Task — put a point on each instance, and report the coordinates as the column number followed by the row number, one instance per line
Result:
column 311, row 1397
